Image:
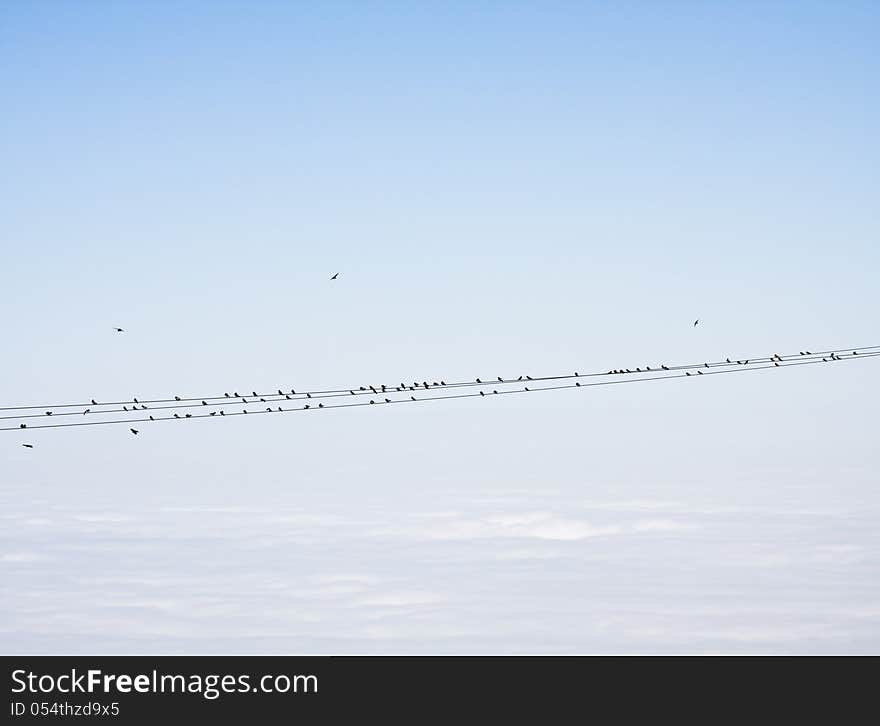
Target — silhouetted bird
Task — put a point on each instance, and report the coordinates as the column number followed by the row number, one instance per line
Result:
column 135, row 400
column 94, row 403
column 226, row 394
column 578, row 384
column 335, row 276
column 48, row 413
column 664, row 368
column 152, row 419
column 177, row 398
column 526, row 388
column 482, row 394
column 696, row 322
column 413, row 398
column 88, row 410
column 22, row 426
column 686, row 373
column 189, row 415
column 478, row 380
column 134, row 431
column 236, row 394
column 372, row 401
column 177, row 415
column 119, row 330
column 28, row 446
column 213, row 413
column 529, row 378
column 320, row 405
column 494, row 391
column 204, row 403
column 728, row 360
column 222, row 413
column 255, row 394
column 124, row 408
column 500, row 379
column 387, row 400
column 280, row 393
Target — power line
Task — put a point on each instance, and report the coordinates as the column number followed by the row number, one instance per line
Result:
column 424, row 385
column 526, row 389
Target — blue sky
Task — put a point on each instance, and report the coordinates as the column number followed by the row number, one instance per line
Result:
column 504, row 188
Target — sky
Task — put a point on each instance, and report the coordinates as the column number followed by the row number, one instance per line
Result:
column 504, row 189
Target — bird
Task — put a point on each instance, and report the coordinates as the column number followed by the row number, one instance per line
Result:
column 189, row 415
column 728, row 360
column 22, row 426
column 134, row 432
column 125, row 408
column 320, row 405
column 254, row 394
column 500, row 379
column 177, row 415
column 118, row 330
column 213, row 413
column 335, row 276
column 686, row 373
column 152, row 419
column 94, row 402
column 387, row 400
column 177, row 398
column 204, row 403
column 226, row 394
column 223, row 413
column 413, row 398
column 280, row 392
column 696, row 322
column 88, row 410
column 28, row 446
column 482, row 394
column 664, row 368
column 478, row 380
column 48, row 413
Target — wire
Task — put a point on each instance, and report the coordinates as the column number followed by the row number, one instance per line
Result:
column 382, row 389
column 578, row 384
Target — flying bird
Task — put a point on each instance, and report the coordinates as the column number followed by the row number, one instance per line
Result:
column 134, row 431
column 28, row 446
column 335, row 276
column 696, row 322
column 119, row 330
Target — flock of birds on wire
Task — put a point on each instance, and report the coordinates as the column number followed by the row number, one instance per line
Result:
column 138, row 411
